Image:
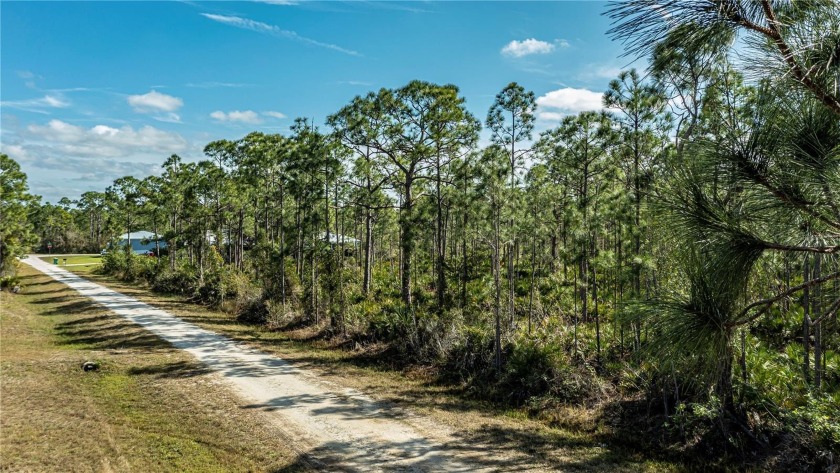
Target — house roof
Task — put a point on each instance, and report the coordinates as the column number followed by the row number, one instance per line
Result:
column 139, row 235
column 334, row 238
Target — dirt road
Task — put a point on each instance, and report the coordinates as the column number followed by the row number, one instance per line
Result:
column 341, row 429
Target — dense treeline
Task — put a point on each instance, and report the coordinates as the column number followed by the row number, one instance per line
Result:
column 678, row 248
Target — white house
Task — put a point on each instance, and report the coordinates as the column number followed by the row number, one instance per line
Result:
column 141, row 242
column 338, row 239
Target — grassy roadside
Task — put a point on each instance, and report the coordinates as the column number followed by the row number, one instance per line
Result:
column 74, row 259
column 150, row 407
column 576, row 441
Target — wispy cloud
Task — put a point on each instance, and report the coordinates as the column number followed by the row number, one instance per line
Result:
column 214, row 85
column 78, row 89
column 277, row 2
column 274, row 30
column 39, row 105
column 391, row 5
column 154, row 101
column 355, row 82
column 243, row 116
column 599, row 71
column 29, row 78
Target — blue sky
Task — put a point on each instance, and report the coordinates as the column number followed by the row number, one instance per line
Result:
column 91, row 91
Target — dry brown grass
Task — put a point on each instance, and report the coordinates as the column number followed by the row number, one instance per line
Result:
column 150, row 407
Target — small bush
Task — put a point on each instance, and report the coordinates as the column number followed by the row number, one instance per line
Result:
column 471, row 355
column 9, row 281
column 253, row 311
column 174, row 282
column 819, row 423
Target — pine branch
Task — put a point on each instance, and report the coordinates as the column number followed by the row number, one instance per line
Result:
column 766, row 303
column 805, row 249
column 831, row 310
column 775, row 35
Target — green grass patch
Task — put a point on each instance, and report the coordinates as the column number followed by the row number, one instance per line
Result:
column 149, row 407
column 74, row 259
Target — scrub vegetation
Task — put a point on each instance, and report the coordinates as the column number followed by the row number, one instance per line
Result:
column 669, row 262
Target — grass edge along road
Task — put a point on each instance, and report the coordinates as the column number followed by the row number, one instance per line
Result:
column 580, row 447
column 149, row 407
column 71, row 259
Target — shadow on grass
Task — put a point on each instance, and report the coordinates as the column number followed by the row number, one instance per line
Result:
column 104, row 332
column 85, row 321
column 180, row 369
column 79, row 307
column 59, row 299
column 217, row 321
column 37, row 293
column 30, row 280
column 467, row 454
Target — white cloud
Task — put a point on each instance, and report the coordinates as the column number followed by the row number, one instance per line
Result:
column 273, row 30
column 550, row 116
column 37, row 105
column 568, row 100
column 273, row 114
column 16, row 152
column 529, row 46
column 168, row 118
column 66, row 159
column 64, row 139
column 246, row 116
column 154, row 101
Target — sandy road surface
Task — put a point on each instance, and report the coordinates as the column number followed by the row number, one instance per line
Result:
column 341, row 429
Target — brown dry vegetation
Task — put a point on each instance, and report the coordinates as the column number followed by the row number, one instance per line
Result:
column 564, row 438
column 150, row 407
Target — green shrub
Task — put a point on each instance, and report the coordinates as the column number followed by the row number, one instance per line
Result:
column 391, row 323
column 819, row 422
column 536, row 368
column 115, row 263
column 472, row 355
column 253, row 310
column 9, row 281
column 174, row 282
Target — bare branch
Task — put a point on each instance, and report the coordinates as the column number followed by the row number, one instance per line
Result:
column 766, row 303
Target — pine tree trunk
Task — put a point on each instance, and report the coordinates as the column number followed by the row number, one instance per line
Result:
column 817, row 310
column 497, row 305
column 406, row 244
column 368, row 251
column 806, row 326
